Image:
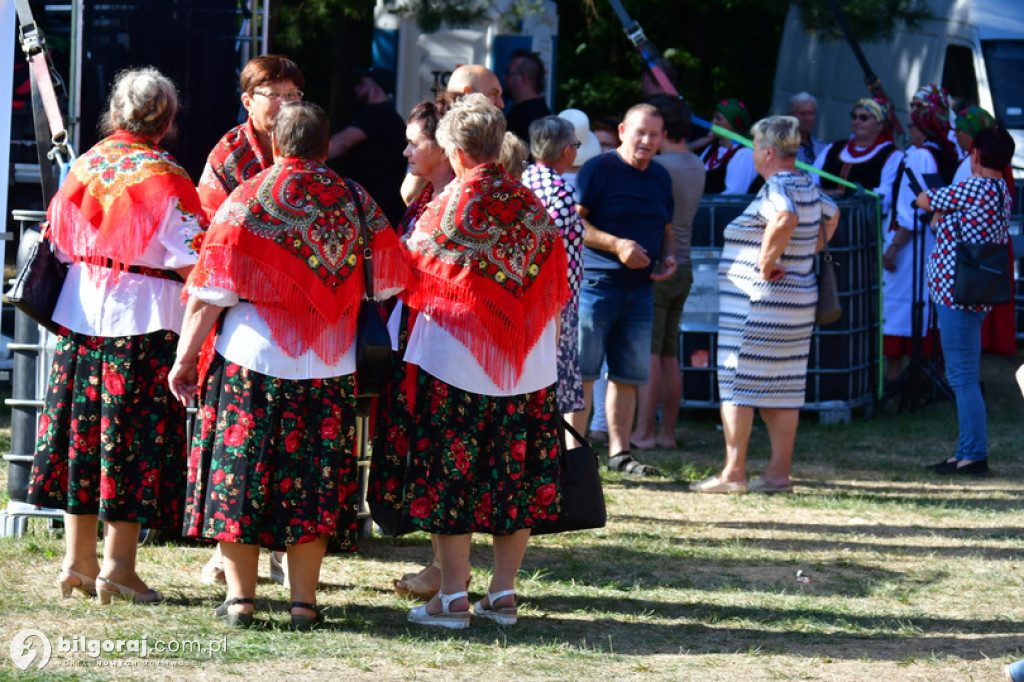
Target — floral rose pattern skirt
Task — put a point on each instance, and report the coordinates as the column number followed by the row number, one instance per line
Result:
column 111, row 437
column 478, row 464
column 272, row 461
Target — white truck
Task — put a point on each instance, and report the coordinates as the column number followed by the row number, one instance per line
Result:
column 974, row 48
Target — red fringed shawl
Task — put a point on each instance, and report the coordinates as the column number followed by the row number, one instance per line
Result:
column 287, row 241
column 114, row 199
column 236, row 157
column 492, row 268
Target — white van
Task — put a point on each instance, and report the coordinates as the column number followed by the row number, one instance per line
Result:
column 974, row 48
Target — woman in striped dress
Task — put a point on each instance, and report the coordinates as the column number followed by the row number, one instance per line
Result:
column 768, row 298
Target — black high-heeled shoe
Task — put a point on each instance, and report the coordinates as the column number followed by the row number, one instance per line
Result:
column 303, row 623
column 232, row 618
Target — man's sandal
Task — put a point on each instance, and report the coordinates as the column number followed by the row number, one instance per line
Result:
column 625, row 463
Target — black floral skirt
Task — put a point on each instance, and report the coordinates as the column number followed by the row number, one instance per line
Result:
column 272, row 460
column 111, row 438
column 461, row 462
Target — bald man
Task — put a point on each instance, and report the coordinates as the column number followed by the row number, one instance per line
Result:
column 476, row 78
column 464, row 80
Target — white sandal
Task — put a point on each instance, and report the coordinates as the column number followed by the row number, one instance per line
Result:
column 455, row 620
column 502, row 615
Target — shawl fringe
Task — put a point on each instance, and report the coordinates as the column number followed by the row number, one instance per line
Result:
column 499, row 328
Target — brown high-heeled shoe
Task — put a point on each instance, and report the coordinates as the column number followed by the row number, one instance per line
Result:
column 107, row 588
column 85, row 585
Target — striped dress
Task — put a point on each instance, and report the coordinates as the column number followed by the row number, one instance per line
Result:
column 764, row 332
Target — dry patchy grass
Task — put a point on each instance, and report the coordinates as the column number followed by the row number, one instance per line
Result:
column 911, row 577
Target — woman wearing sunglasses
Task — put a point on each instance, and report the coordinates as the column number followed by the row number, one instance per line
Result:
column 868, row 157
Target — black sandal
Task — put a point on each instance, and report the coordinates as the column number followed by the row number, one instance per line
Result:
column 235, row 620
column 303, row 623
column 625, row 463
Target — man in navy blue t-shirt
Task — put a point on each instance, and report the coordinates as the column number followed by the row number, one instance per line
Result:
column 626, row 206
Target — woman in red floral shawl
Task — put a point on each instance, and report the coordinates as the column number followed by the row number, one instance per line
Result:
column 272, row 461
column 267, row 82
column 483, row 433
column 111, row 441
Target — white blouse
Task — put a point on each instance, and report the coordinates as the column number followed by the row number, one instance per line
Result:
column 441, row 355
column 245, row 340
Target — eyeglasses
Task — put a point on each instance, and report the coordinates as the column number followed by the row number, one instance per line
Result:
column 860, row 117
column 576, row 144
column 290, row 96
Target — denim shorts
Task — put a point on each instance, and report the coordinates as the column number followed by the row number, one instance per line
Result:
column 615, row 322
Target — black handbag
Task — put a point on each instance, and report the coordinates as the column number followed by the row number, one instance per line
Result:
column 373, row 342
column 37, row 286
column 829, row 308
column 984, row 273
column 582, row 495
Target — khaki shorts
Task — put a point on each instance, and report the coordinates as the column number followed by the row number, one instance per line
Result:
column 669, row 298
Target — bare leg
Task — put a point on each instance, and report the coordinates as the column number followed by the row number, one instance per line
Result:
column 737, row 421
column 646, row 405
column 454, row 553
column 621, row 407
column 782, row 425
column 80, row 544
column 671, row 379
column 509, row 551
column 304, row 563
column 120, row 548
column 241, row 566
column 579, row 419
column 213, row 570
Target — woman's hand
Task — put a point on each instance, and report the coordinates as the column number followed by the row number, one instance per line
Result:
column 183, row 380
column 889, row 258
column 773, row 272
column 667, row 269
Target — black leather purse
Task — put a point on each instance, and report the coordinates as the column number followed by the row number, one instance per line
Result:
column 37, row 286
column 582, row 495
column 373, row 343
column 984, row 272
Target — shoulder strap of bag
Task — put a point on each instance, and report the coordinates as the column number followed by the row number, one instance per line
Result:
column 363, row 241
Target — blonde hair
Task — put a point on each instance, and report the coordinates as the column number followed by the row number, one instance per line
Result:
column 513, row 155
column 781, row 133
column 142, row 102
column 473, row 125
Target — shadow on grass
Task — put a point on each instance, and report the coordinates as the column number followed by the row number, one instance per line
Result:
column 687, row 627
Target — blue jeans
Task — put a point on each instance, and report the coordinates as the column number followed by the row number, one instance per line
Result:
column 961, row 346
column 615, row 324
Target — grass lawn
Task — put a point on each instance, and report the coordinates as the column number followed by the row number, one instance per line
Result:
column 910, row 576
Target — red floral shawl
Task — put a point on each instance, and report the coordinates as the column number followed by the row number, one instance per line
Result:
column 114, row 199
column 492, row 268
column 236, row 157
column 287, row 241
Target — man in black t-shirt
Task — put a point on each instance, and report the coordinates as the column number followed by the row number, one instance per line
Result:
column 369, row 149
column 524, row 83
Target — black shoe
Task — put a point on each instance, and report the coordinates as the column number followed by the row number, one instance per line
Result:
column 978, row 467
column 945, row 466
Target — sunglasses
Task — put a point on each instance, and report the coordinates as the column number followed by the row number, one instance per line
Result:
column 861, row 117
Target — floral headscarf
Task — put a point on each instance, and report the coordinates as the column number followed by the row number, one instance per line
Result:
column 735, row 113
column 973, row 120
column 936, row 98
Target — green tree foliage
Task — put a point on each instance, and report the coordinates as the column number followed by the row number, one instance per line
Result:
column 869, row 19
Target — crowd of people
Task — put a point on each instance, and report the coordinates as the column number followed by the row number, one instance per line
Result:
column 525, row 258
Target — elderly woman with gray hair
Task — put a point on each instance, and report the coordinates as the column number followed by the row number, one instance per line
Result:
column 768, row 297
column 553, row 144
column 111, row 442
column 483, row 417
